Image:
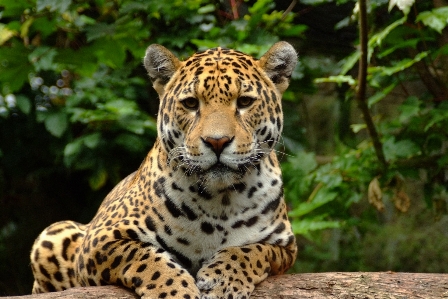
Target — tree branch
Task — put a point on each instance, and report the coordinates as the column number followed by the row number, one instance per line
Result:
column 289, row 9
column 362, row 83
column 358, row 285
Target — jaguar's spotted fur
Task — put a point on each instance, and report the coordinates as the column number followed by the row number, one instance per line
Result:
column 204, row 215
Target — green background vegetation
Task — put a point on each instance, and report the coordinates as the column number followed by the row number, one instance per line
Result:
column 77, row 114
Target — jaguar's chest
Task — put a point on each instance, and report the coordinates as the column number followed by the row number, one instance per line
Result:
column 193, row 222
column 193, row 235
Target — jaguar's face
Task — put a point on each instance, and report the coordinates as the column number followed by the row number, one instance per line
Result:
column 220, row 113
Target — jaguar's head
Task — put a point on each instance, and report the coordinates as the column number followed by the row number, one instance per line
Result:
column 220, row 110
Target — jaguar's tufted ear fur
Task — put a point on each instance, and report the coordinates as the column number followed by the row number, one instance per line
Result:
column 161, row 65
column 278, row 63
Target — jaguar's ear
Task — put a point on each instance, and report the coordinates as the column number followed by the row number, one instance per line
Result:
column 279, row 63
column 161, row 65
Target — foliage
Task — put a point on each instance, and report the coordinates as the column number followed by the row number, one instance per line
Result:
column 76, row 67
column 405, row 57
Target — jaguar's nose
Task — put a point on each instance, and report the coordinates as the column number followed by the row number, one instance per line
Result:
column 217, row 144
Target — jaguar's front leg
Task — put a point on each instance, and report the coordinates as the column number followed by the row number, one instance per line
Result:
column 142, row 267
column 233, row 272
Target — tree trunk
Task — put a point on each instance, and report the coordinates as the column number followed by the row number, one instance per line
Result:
column 340, row 285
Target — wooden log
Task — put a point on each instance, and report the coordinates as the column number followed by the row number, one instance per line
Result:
column 360, row 285
column 338, row 285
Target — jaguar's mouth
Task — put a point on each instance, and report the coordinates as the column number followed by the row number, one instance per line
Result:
column 219, row 168
column 220, row 175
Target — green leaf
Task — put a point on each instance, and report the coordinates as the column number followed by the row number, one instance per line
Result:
column 204, row 44
column 91, row 140
column 56, row 123
column 411, row 43
column 436, row 19
column 442, row 12
column 42, row 58
column 357, row 127
column 381, row 94
column 6, row 33
column 206, row 9
column 354, row 198
column 98, row 30
column 295, row 30
column 89, row 116
column 121, row 107
column 13, row 8
column 303, row 162
column 398, row 67
column 399, row 149
column 109, row 52
column 98, row 179
column 71, row 151
column 15, row 25
column 23, row 103
column 322, row 197
column 409, row 108
column 25, row 27
column 53, row 5
column 303, row 227
column 82, row 61
column 45, row 26
column 349, row 62
column 345, row 22
column 438, row 115
column 378, row 38
column 443, row 161
column 4, row 112
column 260, row 8
column 136, row 126
column 404, row 6
column 337, row 79
column 133, row 6
column 14, row 67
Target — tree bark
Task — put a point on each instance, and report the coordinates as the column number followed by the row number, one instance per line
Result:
column 340, row 285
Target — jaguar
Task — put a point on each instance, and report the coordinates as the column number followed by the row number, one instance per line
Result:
column 204, row 215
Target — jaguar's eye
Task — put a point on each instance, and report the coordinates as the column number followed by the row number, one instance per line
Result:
column 191, row 103
column 244, row 102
